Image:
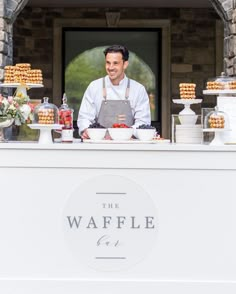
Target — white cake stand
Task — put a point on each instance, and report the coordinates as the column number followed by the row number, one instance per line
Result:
column 21, row 88
column 218, row 135
column 187, row 102
column 227, row 92
column 45, row 136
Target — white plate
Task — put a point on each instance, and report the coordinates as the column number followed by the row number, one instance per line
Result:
column 58, row 140
column 187, row 101
column 188, row 142
column 45, row 127
column 188, row 137
column 187, row 131
column 216, row 92
column 15, row 85
column 216, row 130
column 134, row 141
column 187, row 127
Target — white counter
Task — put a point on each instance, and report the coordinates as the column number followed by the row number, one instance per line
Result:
column 169, row 212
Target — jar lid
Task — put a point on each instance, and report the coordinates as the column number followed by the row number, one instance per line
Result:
column 64, row 102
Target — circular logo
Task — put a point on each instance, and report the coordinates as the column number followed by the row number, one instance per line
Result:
column 110, row 223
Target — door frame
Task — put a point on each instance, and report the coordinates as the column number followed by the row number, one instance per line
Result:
column 162, row 24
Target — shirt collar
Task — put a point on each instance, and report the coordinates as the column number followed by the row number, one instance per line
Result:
column 122, row 82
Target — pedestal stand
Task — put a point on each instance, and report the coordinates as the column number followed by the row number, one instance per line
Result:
column 226, row 102
column 21, row 89
column 218, row 139
column 187, row 131
column 45, row 136
column 187, row 116
column 187, row 103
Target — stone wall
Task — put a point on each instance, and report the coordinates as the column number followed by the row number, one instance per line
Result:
column 33, row 37
column 9, row 9
column 193, row 34
column 227, row 12
column 193, row 50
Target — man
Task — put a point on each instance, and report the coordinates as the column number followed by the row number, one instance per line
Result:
column 114, row 98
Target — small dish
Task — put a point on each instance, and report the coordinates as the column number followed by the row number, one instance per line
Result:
column 120, row 134
column 145, row 134
column 96, row 133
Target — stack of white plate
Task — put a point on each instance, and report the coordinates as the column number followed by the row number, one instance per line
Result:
column 188, row 134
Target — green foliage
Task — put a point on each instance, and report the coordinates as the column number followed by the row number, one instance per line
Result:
column 141, row 72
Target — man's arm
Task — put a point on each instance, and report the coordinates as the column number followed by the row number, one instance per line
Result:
column 142, row 113
column 87, row 112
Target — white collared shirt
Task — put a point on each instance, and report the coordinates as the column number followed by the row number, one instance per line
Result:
column 93, row 97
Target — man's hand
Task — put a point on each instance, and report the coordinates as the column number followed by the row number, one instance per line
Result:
column 84, row 134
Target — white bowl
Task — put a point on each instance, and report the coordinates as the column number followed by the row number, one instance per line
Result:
column 120, row 134
column 96, row 133
column 188, row 127
column 188, row 119
column 145, row 134
column 189, row 140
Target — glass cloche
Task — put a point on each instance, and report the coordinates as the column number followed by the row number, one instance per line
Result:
column 46, row 113
column 216, row 119
column 222, row 82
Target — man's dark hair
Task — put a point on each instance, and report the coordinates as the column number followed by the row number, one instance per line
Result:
column 118, row 48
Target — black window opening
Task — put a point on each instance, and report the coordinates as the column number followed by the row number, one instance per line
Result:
column 83, row 61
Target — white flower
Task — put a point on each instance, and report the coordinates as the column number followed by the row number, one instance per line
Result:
column 12, row 107
column 25, row 110
column 5, row 103
column 10, row 99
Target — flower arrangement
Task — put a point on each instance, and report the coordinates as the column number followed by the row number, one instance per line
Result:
column 17, row 108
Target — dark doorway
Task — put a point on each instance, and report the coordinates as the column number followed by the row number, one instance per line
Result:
column 83, row 61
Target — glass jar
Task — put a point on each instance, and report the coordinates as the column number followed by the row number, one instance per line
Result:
column 221, row 82
column 65, row 114
column 46, row 113
column 66, row 119
column 216, row 119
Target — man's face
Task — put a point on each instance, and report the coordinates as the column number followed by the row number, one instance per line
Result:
column 115, row 67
